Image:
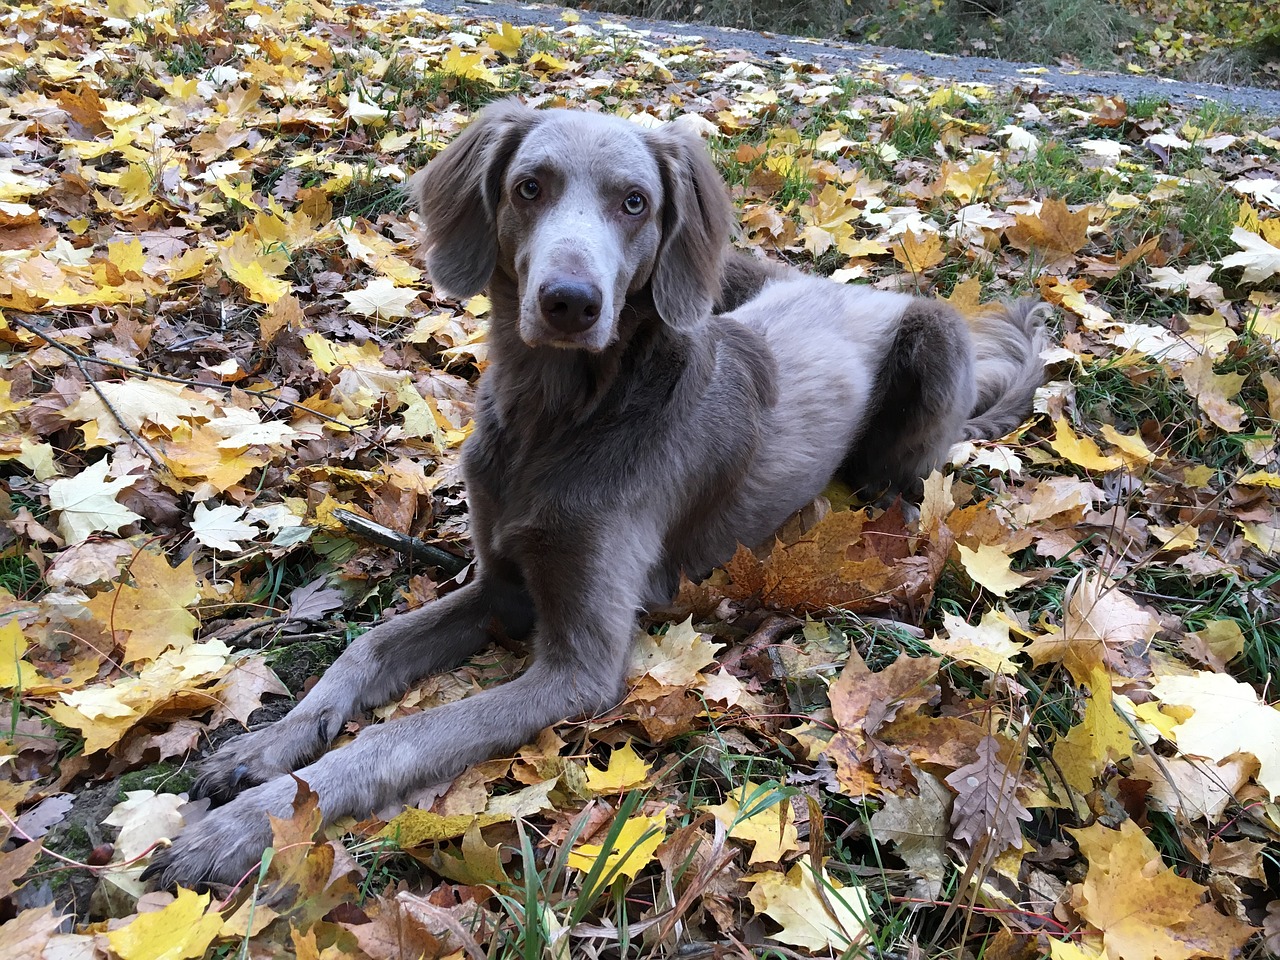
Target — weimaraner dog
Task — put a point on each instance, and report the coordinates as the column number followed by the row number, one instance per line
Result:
column 653, row 399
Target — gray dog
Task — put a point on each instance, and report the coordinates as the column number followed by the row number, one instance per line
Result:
column 625, row 431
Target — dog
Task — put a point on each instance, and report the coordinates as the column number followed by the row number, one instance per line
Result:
column 625, row 432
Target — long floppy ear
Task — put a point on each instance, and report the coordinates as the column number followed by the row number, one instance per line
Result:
column 697, row 220
column 458, row 196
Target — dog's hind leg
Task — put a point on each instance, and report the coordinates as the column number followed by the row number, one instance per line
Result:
column 377, row 667
column 923, row 394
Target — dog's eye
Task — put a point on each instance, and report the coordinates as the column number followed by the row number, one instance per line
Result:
column 528, row 189
column 634, row 204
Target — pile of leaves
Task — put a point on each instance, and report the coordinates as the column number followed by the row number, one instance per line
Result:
column 1035, row 719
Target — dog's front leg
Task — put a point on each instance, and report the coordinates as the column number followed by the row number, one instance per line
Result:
column 380, row 665
column 585, row 622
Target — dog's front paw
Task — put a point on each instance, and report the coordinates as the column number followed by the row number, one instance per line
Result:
column 220, row 849
column 255, row 758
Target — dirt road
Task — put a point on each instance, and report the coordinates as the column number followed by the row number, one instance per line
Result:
column 834, row 54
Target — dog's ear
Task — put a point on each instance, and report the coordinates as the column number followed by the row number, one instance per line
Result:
column 697, row 220
column 458, row 196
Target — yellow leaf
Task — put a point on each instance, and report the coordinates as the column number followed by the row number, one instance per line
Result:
column 546, row 62
column 986, row 645
column 631, row 852
column 966, row 296
column 468, row 66
column 988, row 566
column 506, row 40
column 153, row 609
column 180, row 931
column 1131, row 447
column 1082, row 451
column 919, row 251
column 832, row 918
column 15, row 672
column 1213, row 392
column 417, row 828
column 770, row 826
column 625, row 770
column 1100, row 739
column 1141, row 906
column 1260, row 478
column 1229, row 717
column 970, row 182
column 673, row 658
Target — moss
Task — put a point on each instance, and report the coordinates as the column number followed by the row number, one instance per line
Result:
column 295, row 662
column 160, row 777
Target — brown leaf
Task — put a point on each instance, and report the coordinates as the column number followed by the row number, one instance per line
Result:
column 1054, row 235
column 986, row 806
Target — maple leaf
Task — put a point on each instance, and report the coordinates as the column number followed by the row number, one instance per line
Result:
column 507, row 40
column 625, row 770
column 1054, row 234
column 381, row 298
column 986, row 805
column 815, row 912
column 129, row 405
column 1229, row 718
column 630, row 852
column 674, row 658
column 182, row 930
column 1143, row 909
column 1103, row 628
column 1213, row 392
column 153, row 609
column 221, row 528
column 986, row 645
column 1260, row 259
column 988, row 566
column 1101, row 738
column 919, row 251
column 86, row 503
column 761, row 816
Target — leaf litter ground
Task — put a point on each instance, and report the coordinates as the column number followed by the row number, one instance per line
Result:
column 1035, row 720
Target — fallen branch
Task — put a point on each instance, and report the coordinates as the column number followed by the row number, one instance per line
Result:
column 401, row 543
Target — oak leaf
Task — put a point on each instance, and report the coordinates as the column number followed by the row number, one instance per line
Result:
column 986, row 805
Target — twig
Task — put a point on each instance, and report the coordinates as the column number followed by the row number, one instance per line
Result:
column 400, row 542
column 765, row 635
column 82, row 358
column 79, row 359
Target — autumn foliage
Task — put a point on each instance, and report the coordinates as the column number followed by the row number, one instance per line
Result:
column 1034, row 719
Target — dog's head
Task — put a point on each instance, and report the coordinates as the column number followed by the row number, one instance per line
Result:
column 580, row 209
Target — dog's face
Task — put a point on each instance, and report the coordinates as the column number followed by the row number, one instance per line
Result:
column 578, row 226
column 580, row 210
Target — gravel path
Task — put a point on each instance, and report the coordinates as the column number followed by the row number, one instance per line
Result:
column 834, row 54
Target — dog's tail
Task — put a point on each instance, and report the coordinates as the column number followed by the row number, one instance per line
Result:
column 1007, row 341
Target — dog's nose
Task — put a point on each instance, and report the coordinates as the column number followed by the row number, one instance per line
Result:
column 570, row 306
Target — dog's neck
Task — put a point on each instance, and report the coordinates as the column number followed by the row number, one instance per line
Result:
column 568, row 385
